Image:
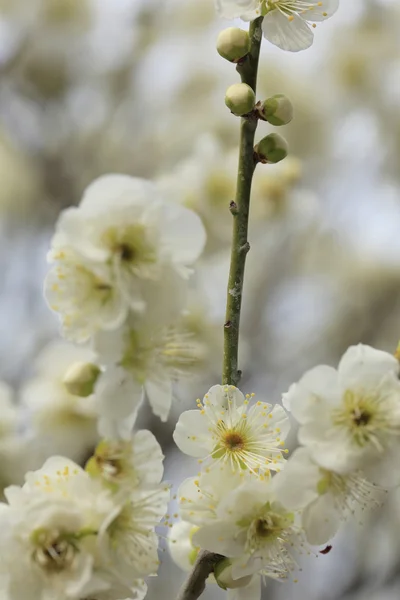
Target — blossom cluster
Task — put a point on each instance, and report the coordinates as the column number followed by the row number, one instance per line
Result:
column 77, row 533
column 119, row 281
column 349, row 424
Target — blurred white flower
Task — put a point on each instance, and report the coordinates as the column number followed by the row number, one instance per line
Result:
column 124, row 464
column 127, row 541
column 224, row 429
column 287, row 23
column 148, row 359
column 49, row 529
column 326, row 498
column 120, row 247
column 68, row 422
column 350, row 418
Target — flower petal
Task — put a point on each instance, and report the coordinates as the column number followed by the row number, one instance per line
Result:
column 159, row 393
column 363, row 366
column 321, row 520
column 291, row 34
column 183, row 234
column 192, row 435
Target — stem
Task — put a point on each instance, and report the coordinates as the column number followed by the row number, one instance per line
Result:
column 248, row 70
column 240, row 210
column 196, row 582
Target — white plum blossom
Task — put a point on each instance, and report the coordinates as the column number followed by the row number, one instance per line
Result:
column 184, row 553
column 326, row 499
column 226, row 429
column 49, row 529
column 350, row 418
column 125, row 464
column 287, row 24
column 254, row 529
column 68, row 422
column 119, row 251
column 73, row 537
column 147, row 360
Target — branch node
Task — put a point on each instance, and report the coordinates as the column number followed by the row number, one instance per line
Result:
column 228, row 325
column 245, row 248
column 233, row 207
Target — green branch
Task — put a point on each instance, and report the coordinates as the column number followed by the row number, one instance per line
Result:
column 248, row 71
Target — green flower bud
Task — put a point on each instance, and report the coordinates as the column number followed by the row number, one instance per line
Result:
column 80, row 378
column 240, row 99
column 272, row 149
column 223, row 576
column 277, row 110
column 233, row 44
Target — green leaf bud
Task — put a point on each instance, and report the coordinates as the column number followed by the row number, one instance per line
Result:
column 272, row 149
column 233, row 44
column 240, row 99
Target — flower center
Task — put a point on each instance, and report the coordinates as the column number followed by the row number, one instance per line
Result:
column 126, row 252
column 53, row 553
column 234, row 440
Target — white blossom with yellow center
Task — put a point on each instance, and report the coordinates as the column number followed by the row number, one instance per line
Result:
column 350, row 418
column 49, row 529
column 326, row 498
column 235, row 430
column 120, row 250
column 287, row 24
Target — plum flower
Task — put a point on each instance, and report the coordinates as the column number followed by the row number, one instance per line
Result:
column 226, row 429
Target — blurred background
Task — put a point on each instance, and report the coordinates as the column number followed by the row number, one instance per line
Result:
column 89, row 87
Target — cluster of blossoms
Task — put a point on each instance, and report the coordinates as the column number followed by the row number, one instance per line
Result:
column 85, row 534
column 119, row 280
column 349, row 426
column 288, row 24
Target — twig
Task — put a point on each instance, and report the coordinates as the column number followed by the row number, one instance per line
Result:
column 196, row 582
column 248, row 70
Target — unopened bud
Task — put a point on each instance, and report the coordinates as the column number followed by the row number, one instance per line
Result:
column 240, row 99
column 80, row 378
column 277, row 110
column 272, row 149
column 233, row 44
column 223, row 576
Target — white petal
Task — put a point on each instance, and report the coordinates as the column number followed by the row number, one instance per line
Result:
column 180, row 544
column 293, row 35
column 321, row 10
column 223, row 396
column 321, row 520
column 219, row 537
column 313, row 394
column 250, row 592
column 148, row 457
column 365, row 366
column 192, row 435
column 296, row 485
column 229, row 9
column 159, row 393
column 279, row 419
column 117, row 394
column 183, row 234
column 106, row 191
